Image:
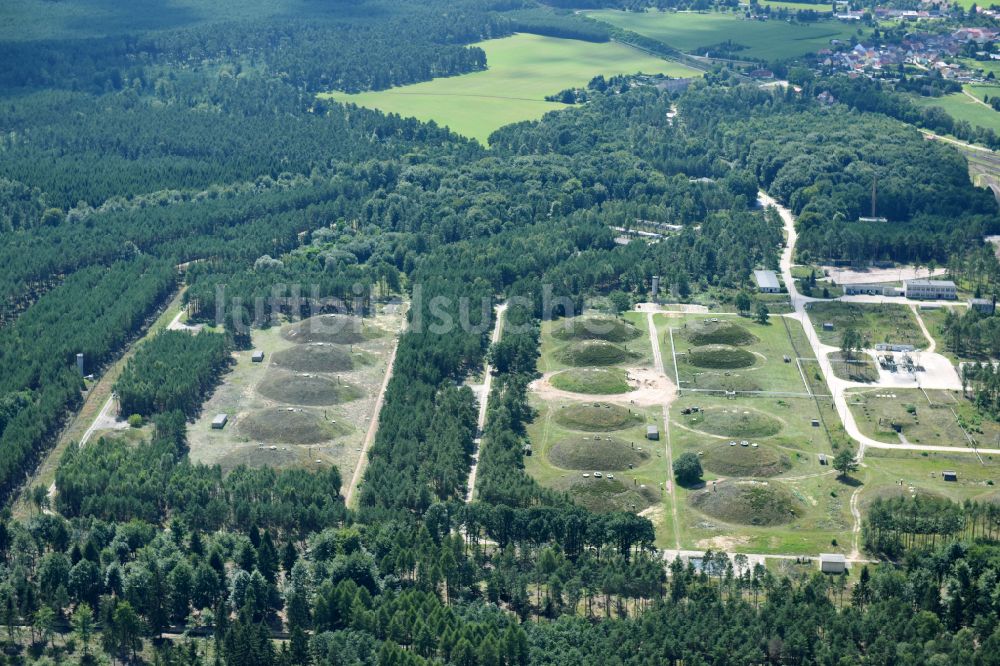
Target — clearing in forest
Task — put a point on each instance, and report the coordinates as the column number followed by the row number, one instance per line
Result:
column 594, row 446
column 522, row 70
column 308, row 404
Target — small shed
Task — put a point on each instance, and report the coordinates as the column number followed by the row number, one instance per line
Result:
column 652, row 432
column 949, row 475
column 815, row 423
column 832, row 563
column 822, row 459
column 220, row 421
column 827, row 325
column 258, row 357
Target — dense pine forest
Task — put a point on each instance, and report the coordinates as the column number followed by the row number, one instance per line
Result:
column 198, row 154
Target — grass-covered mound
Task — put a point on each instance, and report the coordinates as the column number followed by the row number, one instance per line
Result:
column 338, row 329
column 748, row 503
column 718, row 381
column 306, row 389
column 596, row 417
column 593, row 352
column 762, row 461
column 291, row 426
column 604, row 495
column 596, row 453
column 592, row 381
column 319, row 358
column 737, row 422
column 718, row 333
column 720, row 357
column 595, row 328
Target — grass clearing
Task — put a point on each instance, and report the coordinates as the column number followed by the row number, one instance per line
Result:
column 331, row 400
column 883, row 322
column 331, row 329
column 523, row 70
column 946, row 419
column 962, row 107
column 768, row 40
column 921, row 472
column 764, row 366
column 807, row 494
column 564, row 443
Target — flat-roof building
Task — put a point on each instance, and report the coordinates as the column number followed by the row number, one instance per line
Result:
column 932, row 290
column 220, row 421
column 767, row 282
column 833, row 563
column 652, row 432
column 985, row 306
column 258, row 357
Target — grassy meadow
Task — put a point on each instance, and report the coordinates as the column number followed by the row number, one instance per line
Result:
column 522, row 71
column 963, row 107
column 769, row 40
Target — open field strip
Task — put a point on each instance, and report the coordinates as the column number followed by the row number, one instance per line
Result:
column 963, row 107
column 313, row 402
column 594, row 445
column 693, row 31
column 522, row 71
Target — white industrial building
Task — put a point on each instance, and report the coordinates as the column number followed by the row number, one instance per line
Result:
column 930, row 290
column 767, row 282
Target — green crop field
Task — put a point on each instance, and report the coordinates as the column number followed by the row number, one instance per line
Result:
column 794, row 6
column 523, row 70
column 962, row 107
column 769, row 40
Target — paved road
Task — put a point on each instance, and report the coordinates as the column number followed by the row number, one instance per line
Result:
column 484, row 399
column 839, row 386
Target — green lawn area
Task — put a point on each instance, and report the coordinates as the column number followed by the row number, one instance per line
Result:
column 523, row 70
column 921, row 471
column 875, row 322
column 768, row 344
column 938, row 422
column 783, row 468
column 961, row 107
column 770, row 40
